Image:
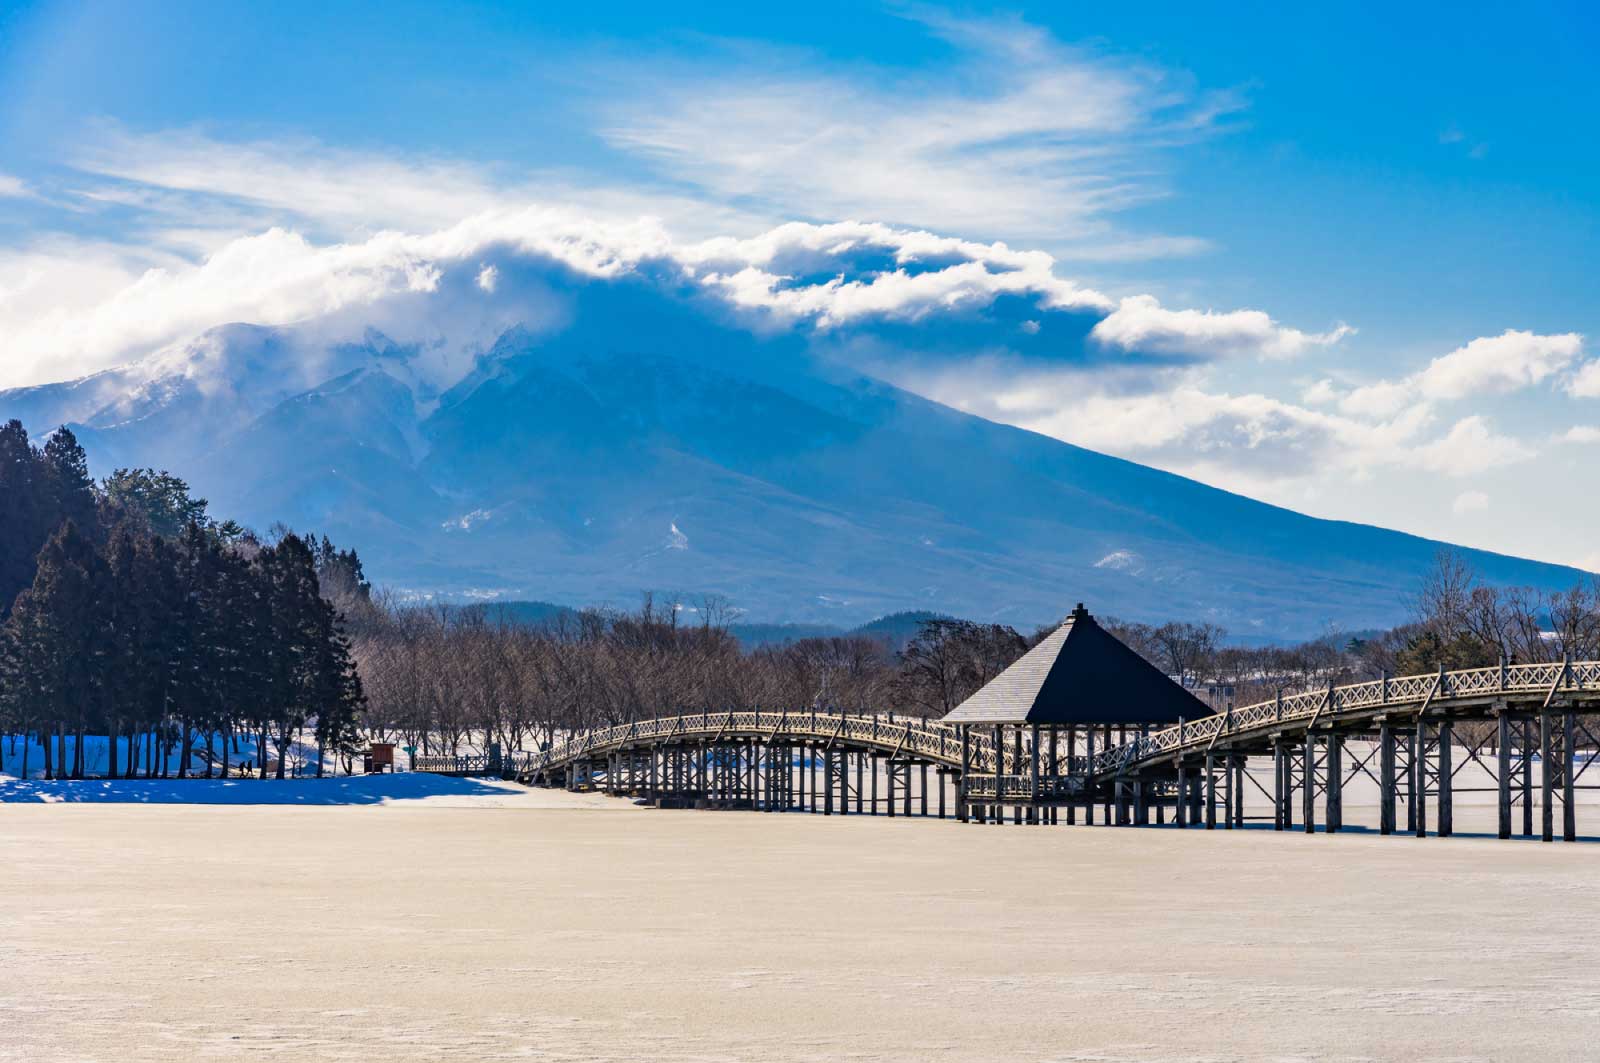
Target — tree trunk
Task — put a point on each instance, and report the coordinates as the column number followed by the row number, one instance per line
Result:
column 261, row 751
column 283, row 748
column 45, row 738
column 227, row 736
column 184, row 747
column 82, row 766
column 27, row 747
column 111, row 748
column 321, row 752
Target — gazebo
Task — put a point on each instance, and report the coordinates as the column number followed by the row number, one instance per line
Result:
column 1080, row 681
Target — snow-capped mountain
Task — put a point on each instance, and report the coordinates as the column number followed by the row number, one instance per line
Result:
column 651, row 455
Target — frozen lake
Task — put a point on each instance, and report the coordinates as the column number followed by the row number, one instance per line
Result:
column 497, row 923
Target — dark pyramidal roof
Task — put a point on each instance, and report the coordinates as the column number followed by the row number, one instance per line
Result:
column 1080, row 674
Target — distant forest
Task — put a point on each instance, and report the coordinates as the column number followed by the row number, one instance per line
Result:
column 129, row 611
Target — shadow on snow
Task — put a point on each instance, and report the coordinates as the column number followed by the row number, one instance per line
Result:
column 343, row 790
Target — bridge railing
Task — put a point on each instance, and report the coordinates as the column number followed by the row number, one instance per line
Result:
column 922, row 739
column 1546, row 678
column 451, row 765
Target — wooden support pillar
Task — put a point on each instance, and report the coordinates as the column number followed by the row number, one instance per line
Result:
column 1386, row 778
column 1211, row 790
column 1447, row 801
column 1107, row 818
column 1308, row 783
column 1414, row 773
column 1526, row 747
column 1016, row 762
column 1241, row 763
column 827, row 781
column 1179, row 813
column 1503, row 770
column 1088, row 796
column 874, row 767
column 1547, row 780
column 1033, row 774
column 923, row 789
column 1279, row 796
column 1334, row 788
column 999, row 771
column 1228, row 775
column 1419, row 780
column 961, row 780
column 907, row 795
column 1055, row 774
column 1072, row 752
column 860, row 789
column 1569, row 811
column 943, row 775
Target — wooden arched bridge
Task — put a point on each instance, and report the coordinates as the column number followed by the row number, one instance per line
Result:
column 1421, row 731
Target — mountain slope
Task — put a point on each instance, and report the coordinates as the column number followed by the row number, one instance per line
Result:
column 801, row 494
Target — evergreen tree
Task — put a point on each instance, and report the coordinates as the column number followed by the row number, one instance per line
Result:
column 56, row 639
column 159, row 501
column 25, row 512
column 71, row 489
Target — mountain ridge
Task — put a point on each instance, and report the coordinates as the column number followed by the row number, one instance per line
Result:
column 586, row 473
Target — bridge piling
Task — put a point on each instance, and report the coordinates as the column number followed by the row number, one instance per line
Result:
column 1569, row 811
column 1526, row 748
column 1333, row 789
column 1211, row 790
column 1547, row 779
column 1277, row 783
column 1420, row 779
column 1308, row 782
column 1503, row 766
column 1446, row 786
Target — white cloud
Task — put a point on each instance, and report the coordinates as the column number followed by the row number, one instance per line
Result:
column 1140, row 322
column 1511, row 361
column 1496, row 364
column 1322, row 393
column 1019, row 135
column 1580, row 434
column 14, row 188
column 1585, row 383
column 70, row 308
column 1469, row 502
column 1470, row 446
column 1383, row 399
column 1246, row 442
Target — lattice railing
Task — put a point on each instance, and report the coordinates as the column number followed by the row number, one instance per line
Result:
column 922, row 739
column 1548, row 679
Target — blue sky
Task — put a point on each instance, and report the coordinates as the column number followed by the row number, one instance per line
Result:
column 1358, row 243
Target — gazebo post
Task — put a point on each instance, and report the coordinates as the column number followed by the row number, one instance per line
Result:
column 1088, row 795
column 999, row 772
column 1111, row 797
column 1033, row 777
column 961, row 780
column 1055, row 774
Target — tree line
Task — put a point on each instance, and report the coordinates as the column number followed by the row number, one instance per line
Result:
column 129, row 613
column 441, row 678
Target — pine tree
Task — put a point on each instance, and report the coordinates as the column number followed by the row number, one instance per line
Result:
column 57, row 630
column 71, row 489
